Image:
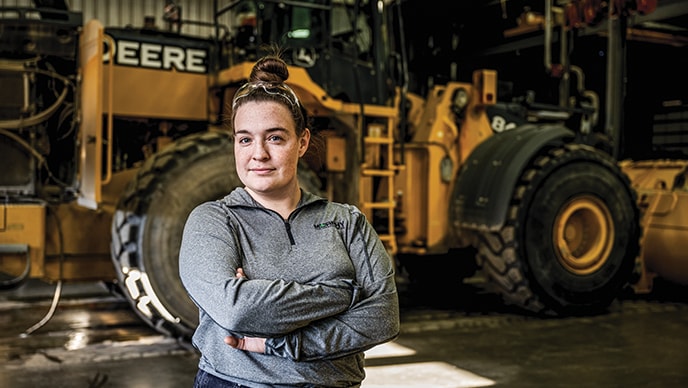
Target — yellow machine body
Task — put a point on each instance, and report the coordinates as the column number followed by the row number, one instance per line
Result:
column 663, row 198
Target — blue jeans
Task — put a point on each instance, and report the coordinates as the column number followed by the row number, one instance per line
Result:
column 206, row 380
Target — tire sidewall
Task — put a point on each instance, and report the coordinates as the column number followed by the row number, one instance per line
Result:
column 544, row 269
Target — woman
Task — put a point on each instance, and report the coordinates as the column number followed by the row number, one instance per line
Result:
column 291, row 288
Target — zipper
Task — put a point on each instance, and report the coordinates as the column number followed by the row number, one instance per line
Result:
column 287, row 225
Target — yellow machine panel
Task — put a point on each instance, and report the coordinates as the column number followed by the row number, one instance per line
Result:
column 178, row 95
column 22, row 239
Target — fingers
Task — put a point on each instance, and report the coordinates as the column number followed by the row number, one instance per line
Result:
column 233, row 341
column 240, row 273
column 250, row 344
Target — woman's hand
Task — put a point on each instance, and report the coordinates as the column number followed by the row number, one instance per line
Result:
column 249, row 344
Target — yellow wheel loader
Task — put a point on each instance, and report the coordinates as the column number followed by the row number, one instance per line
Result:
column 110, row 136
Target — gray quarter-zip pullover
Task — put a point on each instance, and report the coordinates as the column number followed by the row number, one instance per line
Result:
column 319, row 286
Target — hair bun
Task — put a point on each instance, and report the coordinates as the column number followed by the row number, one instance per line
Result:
column 270, row 69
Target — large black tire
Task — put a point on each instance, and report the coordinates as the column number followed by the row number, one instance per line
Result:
column 148, row 223
column 571, row 237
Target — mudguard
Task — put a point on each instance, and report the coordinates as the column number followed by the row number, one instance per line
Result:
column 486, row 181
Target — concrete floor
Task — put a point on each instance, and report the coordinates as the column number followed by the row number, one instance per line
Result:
column 95, row 340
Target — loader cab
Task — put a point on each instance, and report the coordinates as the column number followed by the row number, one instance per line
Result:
column 339, row 43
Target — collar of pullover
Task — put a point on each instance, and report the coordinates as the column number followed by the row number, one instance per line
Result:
column 240, row 197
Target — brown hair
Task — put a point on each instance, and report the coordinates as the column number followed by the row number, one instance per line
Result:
column 267, row 83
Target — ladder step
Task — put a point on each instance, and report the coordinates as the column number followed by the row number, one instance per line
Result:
column 376, row 172
column 379, row 205
column 378, row 140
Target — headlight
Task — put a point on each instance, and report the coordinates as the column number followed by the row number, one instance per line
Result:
column 460, row 100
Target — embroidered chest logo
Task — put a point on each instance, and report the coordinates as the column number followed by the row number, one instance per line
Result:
column 329, row 224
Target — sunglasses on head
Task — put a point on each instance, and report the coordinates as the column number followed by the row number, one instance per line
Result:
column 281, row 90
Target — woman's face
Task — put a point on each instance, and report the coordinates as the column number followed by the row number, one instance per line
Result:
column 266, row 147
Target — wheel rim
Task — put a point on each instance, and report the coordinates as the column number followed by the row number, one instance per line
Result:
column 583, row 235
